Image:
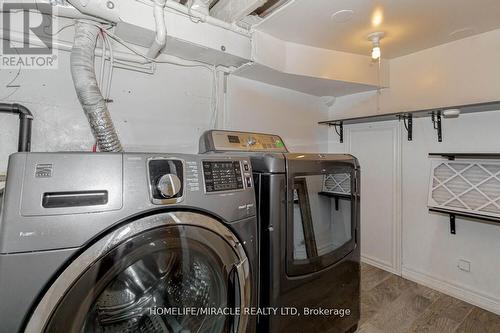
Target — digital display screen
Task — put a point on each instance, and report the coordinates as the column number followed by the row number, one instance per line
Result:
column 233, row 139
column 222, row 176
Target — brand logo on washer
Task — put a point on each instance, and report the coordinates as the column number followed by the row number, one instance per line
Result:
column 44, row 170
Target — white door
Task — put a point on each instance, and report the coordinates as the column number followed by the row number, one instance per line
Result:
column 377, row 146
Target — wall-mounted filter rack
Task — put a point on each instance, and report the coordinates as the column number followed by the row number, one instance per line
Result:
column 466, row 185
column 436, row 115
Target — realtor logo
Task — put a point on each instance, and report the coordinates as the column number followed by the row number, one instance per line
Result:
column 27, row 36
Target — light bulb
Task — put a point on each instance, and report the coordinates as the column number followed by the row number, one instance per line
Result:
column 377, row 17
column 376, row 52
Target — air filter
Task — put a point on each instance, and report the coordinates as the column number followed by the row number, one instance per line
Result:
column 339, row 183
column 466, row 186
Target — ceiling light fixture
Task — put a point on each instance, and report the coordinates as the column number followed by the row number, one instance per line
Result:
column 375, row 38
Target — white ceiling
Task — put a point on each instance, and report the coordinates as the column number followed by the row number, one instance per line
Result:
column 409, row 25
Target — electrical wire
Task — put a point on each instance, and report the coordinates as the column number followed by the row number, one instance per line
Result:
column 120, row 41
column 111, row 65
column 379, row 85
column 103, row 60
column 213, row 68
column 142, row 55
column 215, row 97
column 58, row 31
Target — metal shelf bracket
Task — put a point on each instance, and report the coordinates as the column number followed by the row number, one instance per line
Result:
column 452, row 224
column 408, row 122
column 453, row 214
column 436, row 122
column 339, row 130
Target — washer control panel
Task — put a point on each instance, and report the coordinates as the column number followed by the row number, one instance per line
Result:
column 222, row 176
column 216, row 140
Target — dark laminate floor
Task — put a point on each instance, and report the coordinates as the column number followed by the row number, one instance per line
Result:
column 391, row 304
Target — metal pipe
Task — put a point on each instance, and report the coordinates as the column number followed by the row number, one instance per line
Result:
column 25, row 120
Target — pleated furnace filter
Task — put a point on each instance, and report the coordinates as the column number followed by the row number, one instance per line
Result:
column 466, row 186
column 339, row 183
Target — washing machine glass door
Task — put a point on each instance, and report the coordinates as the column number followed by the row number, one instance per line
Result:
column 176, row 272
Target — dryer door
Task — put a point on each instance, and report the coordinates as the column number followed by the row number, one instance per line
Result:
column 173, row 272
column 322, row 211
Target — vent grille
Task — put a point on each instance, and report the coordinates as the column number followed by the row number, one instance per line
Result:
column 339, row 183
column 472, row 187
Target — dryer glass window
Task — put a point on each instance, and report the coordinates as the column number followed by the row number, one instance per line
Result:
column 153, row 283
column 321, row 215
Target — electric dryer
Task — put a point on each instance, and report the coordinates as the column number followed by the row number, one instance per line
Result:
column 308, row 208
column 128, row 242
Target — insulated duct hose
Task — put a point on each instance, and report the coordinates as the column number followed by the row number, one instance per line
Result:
column 87, row 90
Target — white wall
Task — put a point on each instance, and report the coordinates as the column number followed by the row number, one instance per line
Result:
column 264, row 108
column 430, row 252
column 461, row 72
column 166, row 111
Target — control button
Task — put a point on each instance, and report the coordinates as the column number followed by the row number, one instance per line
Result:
column 251, row 141
column 248, row 181
column 245, row 167
column 169, row 185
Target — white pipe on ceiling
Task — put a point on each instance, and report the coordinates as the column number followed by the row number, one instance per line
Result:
column 161, row 30
column 206, row 18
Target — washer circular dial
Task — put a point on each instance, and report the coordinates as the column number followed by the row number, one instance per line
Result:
column 169, row 185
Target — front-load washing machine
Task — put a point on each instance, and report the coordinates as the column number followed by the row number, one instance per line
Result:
column 308, row 208
column 127, row 242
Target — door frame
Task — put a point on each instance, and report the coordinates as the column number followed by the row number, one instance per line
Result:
column 395, row 266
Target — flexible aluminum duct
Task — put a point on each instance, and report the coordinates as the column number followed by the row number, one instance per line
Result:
column 87, row 90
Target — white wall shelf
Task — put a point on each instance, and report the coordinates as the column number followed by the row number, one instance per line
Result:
column 312, row 70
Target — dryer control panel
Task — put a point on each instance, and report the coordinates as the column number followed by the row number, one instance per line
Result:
column 215, row 140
